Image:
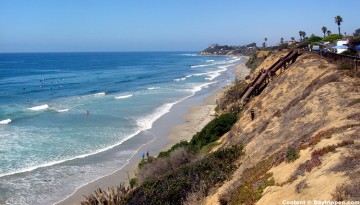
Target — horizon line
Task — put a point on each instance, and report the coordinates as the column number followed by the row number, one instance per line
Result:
column 28, row 52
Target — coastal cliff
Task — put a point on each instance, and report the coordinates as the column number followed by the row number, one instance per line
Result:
column 303, row 143
column 295, row 139
column 215, row 49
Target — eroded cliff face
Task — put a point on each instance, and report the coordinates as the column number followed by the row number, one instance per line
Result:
column 304, row 143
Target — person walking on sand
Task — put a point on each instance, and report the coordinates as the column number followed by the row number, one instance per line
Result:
column 147, row 154
column 143, row 155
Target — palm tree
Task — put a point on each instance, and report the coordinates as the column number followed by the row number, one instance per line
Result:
column 338, row 20
column 328, row 32
column 324, row 29
column 265, row 41
column 303, row 34
column 292, row 39
column 281, row 40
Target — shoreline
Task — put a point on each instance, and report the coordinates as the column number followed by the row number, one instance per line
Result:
column 199, row 110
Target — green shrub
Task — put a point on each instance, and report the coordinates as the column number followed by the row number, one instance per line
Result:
column 345, row 66
column 212, row 131
column 283, row 46
column 174, row 187
column 348, row 53
column 132, row 182
column 291, row 154
column 145, row 161
column 207, row 148
column 332, row 37
column 314, row 38
column 177, row 145
column 141, row 163
column 254, row 62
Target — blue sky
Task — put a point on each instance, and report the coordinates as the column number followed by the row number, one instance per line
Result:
column 163, row 25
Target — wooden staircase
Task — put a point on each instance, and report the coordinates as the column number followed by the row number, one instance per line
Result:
column 264, row 76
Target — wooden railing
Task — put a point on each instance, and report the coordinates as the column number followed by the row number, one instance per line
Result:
column 354, row 61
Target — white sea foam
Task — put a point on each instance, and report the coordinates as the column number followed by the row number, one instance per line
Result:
column 199, row 66
column 123, row 96
column 93, row 95
column 179, row 79
column 214, row 63
column 127, row 162
column 40, row 107
column 200, row 74
column 5, row 122
column 234, row 59
column 188, row 54
column 153, row 88
column 62, row 110
column 146, row 122
column 51, row 163
column 200, row 87
column 98, row 94
column 214, row 74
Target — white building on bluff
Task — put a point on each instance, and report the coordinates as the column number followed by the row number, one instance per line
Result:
column 341, row 46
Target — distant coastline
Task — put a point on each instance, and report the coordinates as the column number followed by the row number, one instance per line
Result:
column 216, row 49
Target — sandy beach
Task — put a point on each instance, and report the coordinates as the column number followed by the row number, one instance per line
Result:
column 194, row 119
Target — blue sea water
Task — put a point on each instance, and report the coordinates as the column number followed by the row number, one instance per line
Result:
column 57, row 109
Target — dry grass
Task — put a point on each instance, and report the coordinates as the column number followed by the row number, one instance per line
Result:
column 350, row 165
column 313, row 86
column 316, row 159
column 112, row 196
column 322, row 66
column 341, row 193
column 327, row 133
column 300, row 186
column 354, row 102
column 197, row 197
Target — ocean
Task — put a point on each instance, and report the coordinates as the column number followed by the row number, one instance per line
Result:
column 61, row 112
